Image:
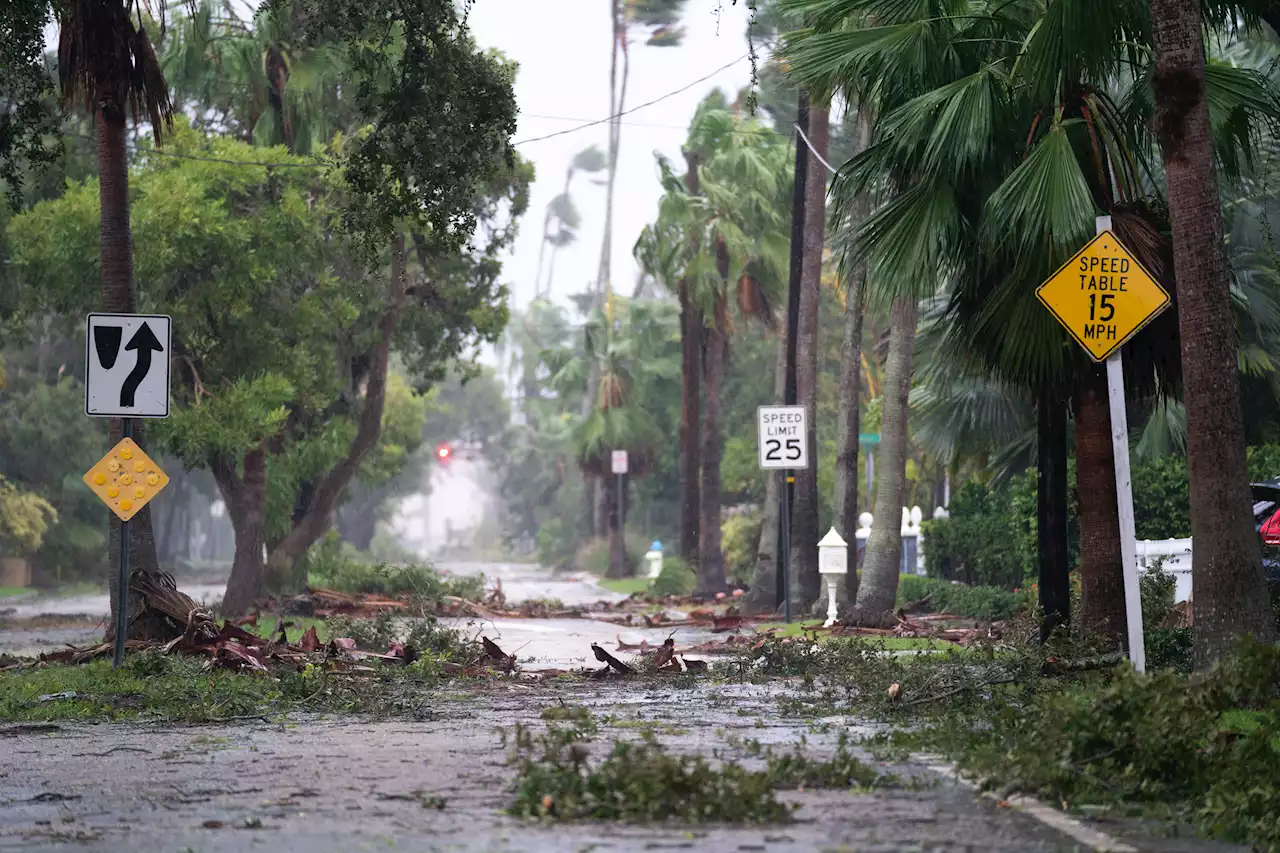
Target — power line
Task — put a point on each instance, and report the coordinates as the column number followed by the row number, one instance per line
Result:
column 684, row 88
column 761, row 132
column 584, row 126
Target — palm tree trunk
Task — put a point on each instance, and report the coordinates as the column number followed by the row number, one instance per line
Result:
column 691, row 335
column 849, row 424
column 804, row 542
column 119, row 297
column 1101, row 562
column 762, row 597
column 710, row 568
column 1051, row 511
column 1230, row 590
column 878, row 591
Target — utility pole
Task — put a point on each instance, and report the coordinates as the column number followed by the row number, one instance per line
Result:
column 786, row 493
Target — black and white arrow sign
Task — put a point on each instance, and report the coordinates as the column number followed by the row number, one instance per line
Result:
column 127, row 358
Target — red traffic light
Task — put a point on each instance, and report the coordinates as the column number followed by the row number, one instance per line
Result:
column 443, row 452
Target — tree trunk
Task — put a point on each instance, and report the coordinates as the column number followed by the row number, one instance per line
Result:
column 849, row 424
column 245, row 494
column 1230, row 590
column 1101, row 562
column 615, row 509
column 1051, row 512
column 762, row 597
column 119, row 297
column 710, row 569
column 691, row 335
column 878, row 592
column 318, row 517
column 804, row 525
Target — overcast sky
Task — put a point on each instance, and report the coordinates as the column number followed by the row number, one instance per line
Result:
column 564, row 82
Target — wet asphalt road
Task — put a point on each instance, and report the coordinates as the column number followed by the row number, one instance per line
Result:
column 319, row 785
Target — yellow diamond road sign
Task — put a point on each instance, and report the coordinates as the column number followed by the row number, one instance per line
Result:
column 1103, row 296
column 126, row 479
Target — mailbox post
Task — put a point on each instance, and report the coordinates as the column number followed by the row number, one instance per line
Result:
column 833, row 561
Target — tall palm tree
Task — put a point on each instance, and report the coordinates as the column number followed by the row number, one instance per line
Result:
column 1231, row 598
column 562, row 211
column 723, row 239
column 1002, row 129
column 106, row 61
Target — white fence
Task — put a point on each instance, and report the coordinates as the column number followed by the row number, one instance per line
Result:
column 1175, row 554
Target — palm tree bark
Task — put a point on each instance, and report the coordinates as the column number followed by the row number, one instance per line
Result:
column 1230, row 591
column 691, row 335
column 878, row 591
column 614, row 505
column 804, row 525
column 1101, row 563
column 710, row 569
column 317, row 517
column 119, row 297
column 849, row 424
column 1051, row 511
column 762, row 596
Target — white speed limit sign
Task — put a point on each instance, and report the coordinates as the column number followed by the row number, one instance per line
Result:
column 783, row 439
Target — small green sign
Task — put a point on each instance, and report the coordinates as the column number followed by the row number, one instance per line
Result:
column 868, row 438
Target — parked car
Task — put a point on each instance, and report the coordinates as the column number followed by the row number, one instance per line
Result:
column 1266, row 520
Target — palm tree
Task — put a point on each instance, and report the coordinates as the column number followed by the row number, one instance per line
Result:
column 1231, row 598
column 259, row 80
column 716, row 232
column 105, row 59
column 561, row 209
column 643, row 338
column 996, row 175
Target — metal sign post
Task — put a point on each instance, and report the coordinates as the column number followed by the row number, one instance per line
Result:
column 783, row 445
column 620, row 466
column 1103, row 296
column 126, row 479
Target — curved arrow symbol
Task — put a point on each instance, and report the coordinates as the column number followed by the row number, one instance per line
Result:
column 144, row 341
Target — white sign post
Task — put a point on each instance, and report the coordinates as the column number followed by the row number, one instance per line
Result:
column 127, row 366
column 783, row 437
column 1124, row 497
column 620, row 461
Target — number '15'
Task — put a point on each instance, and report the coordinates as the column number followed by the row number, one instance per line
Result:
column 1108, row 309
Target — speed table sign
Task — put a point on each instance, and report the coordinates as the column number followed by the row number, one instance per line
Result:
column 1103, row 296
column 783, row 438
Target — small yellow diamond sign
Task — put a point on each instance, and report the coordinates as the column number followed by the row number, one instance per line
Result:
column 126, row 479
column 1103, row 296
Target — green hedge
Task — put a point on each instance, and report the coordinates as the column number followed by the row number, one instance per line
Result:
column 984, row 603
column 990, row 538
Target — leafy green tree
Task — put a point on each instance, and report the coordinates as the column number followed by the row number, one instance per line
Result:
column 277, row 326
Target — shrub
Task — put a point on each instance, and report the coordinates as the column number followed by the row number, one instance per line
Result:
column 331, row 567
column 1161, row 500
column 984, row 603
column 594, row 556
column 676, row 578
column 740, row 539
column 990, row 537
column 555, row 543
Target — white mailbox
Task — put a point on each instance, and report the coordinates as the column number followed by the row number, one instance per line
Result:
column 833, row 561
